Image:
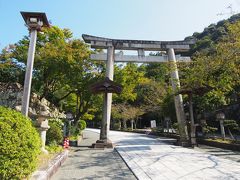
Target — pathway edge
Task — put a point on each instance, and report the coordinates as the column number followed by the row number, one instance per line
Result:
column 52, row 168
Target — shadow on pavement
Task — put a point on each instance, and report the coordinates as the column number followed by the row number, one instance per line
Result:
column 88, row 163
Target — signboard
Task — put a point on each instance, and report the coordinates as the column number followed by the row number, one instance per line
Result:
column 153, row 124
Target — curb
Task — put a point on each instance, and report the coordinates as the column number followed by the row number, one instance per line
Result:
column 126, row 163
column 52, row 168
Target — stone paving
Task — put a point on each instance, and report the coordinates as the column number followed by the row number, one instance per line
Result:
column 155, row 158
column 222, row 153
column 86, row 163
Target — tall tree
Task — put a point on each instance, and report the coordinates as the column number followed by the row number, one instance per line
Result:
column 220, row 70
column 62, row 69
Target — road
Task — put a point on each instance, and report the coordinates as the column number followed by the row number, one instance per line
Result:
column 157, row 158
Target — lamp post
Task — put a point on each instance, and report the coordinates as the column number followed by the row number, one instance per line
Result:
column 221, row 116
column 34, row 21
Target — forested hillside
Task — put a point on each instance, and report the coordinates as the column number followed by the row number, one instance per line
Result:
column 212, row 34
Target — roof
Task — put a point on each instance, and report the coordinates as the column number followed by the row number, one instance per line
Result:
column 106, row 86
column 40, row 15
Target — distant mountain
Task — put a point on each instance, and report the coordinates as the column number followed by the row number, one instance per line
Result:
column 206, row 40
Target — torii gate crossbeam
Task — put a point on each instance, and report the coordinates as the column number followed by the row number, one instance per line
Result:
column 137, row 59
column 141, row 46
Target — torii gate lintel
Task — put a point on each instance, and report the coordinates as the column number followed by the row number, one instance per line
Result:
column 120, row 44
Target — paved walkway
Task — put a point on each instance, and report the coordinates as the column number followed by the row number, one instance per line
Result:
column 86, row 163
column 221, row 153
column 151, row 158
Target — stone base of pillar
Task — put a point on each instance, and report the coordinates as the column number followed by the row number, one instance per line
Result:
column 183, row 143
column 103, row 144
column 44, row 150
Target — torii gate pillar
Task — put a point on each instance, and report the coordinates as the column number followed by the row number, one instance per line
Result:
column 178, row 101
column 107, row 105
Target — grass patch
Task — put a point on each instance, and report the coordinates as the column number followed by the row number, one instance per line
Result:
column 43, row 158
column 226, row 141
column 54, row 149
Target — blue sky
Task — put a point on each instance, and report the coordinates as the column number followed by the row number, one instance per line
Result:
column 125, row 19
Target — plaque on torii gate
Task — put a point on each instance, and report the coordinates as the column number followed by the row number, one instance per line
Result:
column 141, row 46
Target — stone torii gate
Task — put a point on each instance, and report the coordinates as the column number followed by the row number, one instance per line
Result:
column 140, row 46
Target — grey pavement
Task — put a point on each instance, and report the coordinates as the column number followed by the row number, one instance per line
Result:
column 87, row 163
column 222, row 153
column 155, row 158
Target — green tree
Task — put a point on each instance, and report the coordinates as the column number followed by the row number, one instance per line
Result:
column 220, row 70
column 62, row 69
column 129, row 77
column 122, row 113
column 10, row 70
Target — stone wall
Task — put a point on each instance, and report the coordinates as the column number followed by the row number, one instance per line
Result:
column 11, row 96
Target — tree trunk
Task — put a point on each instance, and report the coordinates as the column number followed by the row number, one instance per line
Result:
column 132, row 125
column 136, row 123
column 124, row 124
column 230, row 133
column 120, row 125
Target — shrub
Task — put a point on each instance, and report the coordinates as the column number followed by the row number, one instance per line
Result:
column 209, row 129
column 158, row 130
column 117, row 126
column 54, row 148
column 231, row 124
column 73, row 137
column 19, row 145
column 54, row 134
column 74, row 131
column 176, row 127
column 82, row 125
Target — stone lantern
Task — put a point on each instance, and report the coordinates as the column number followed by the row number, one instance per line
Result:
column 42, row 124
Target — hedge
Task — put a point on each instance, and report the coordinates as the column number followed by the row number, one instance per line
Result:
column 19, row 145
